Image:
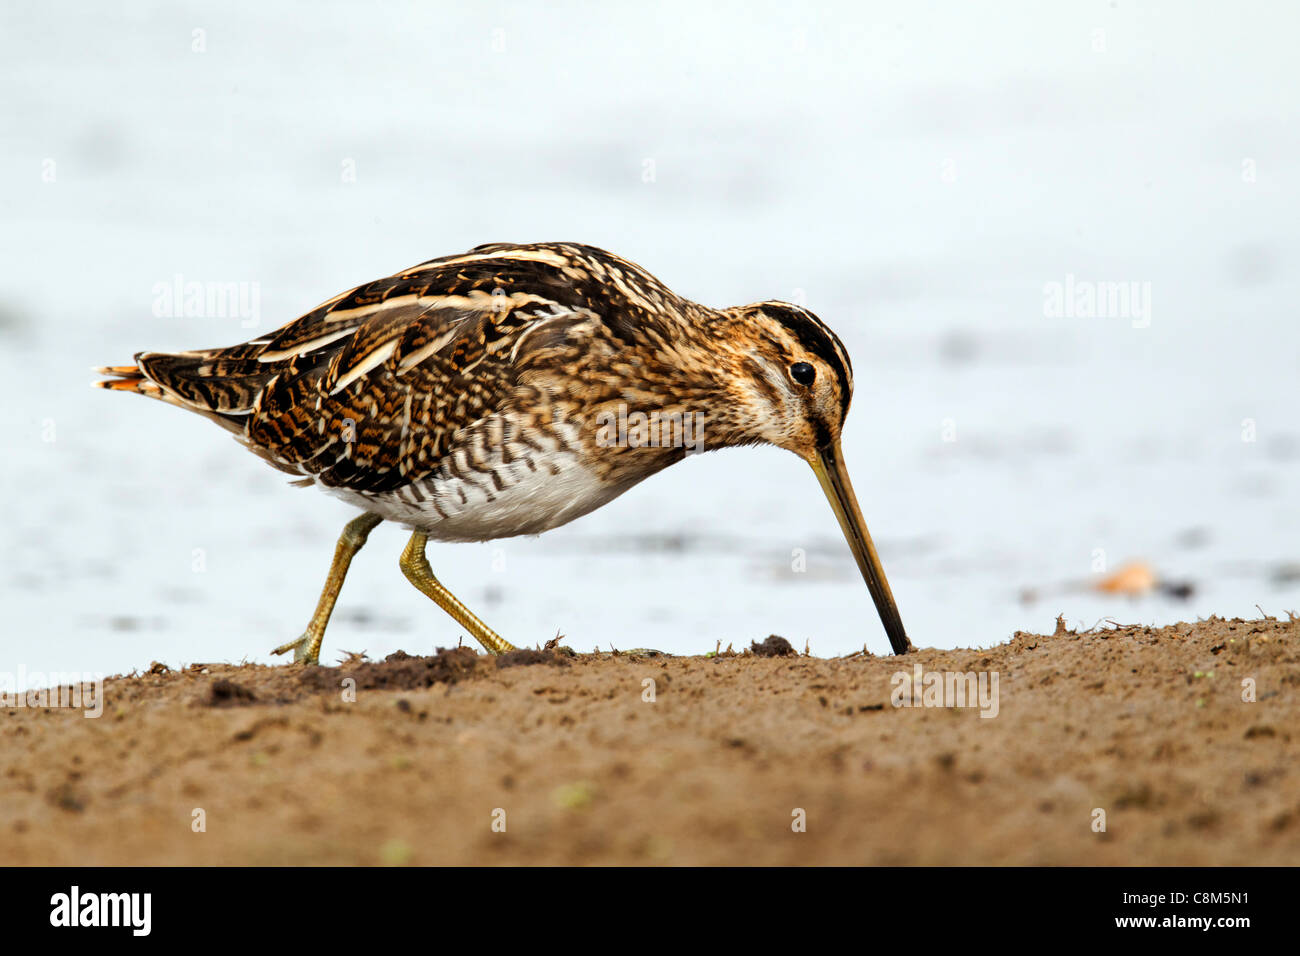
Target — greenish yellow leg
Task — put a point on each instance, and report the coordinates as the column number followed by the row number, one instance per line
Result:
column 416, row 568
column 306, row 649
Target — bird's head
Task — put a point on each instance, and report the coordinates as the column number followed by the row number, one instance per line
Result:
column 790, row 386
column 794, row 380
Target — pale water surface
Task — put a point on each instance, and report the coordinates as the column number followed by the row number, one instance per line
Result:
column 917, row 174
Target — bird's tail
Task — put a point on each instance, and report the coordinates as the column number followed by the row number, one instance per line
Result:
column 143, row 380
column 128, row 378
column 170, row 378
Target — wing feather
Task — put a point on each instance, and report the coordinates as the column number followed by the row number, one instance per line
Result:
column 368, row 390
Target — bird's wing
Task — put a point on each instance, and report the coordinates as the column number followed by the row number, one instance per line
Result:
column 368, row 391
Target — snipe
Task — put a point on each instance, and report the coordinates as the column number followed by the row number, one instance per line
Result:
column 512, row 389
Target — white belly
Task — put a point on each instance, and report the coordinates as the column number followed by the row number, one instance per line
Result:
column 473, row 508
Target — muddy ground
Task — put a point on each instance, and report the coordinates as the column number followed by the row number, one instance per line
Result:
column 546, row 758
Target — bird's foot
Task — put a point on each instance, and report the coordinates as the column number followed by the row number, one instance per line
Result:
column 306, row 650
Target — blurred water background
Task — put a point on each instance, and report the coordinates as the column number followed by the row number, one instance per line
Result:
column 917, row 174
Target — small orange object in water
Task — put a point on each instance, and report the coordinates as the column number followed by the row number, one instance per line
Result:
column 1133, row 579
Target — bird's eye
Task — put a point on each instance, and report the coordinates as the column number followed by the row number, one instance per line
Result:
column 803, row 373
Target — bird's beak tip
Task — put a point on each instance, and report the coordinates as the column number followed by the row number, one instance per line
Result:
column 828, row 463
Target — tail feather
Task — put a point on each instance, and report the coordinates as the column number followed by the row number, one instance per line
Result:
column 221, row 381
column 127, row 378
column 136, row 378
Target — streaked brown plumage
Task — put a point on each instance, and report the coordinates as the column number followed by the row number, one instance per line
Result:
column 467, row 398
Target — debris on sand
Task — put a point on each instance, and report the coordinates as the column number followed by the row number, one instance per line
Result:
column 524, row 657
column 774, row 646
column 226, row 693
column 398, row 671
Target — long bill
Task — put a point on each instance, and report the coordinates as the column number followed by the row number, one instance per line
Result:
column 834, row 477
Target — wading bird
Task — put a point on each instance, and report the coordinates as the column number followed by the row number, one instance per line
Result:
column 469, row 398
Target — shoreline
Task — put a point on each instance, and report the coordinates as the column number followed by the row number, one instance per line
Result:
column 545, row 758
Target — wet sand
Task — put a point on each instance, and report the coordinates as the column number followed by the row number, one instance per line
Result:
column 548, row 758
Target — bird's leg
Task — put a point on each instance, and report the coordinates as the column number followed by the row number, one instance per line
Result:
column 306, row 649
column 416, row 568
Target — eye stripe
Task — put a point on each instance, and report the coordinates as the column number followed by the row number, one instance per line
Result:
column 813, row 336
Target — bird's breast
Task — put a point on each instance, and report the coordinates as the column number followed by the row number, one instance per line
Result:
column 513, row 487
